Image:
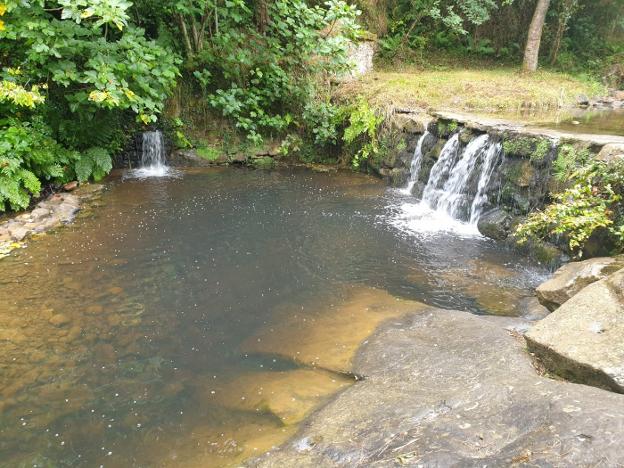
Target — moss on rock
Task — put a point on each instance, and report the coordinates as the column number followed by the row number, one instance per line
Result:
column 534, row 148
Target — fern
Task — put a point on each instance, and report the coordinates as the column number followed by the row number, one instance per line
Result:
column 94, row 163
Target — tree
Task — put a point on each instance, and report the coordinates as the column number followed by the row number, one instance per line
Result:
column 531, row 51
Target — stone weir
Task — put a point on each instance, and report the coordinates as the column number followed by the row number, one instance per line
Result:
column 480, row 170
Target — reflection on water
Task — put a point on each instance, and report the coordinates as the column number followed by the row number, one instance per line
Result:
column 598, row 121
column 182, row 322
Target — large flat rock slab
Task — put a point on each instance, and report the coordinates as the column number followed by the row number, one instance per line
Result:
column 583, row 340
column 572, row 277
column 447, row 388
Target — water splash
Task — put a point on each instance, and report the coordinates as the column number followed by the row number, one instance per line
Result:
column 415, row 165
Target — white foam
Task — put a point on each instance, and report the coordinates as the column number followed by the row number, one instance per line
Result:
column 151, row 171
column 419, row 219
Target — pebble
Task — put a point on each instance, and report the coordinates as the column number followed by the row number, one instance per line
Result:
column 59, row 320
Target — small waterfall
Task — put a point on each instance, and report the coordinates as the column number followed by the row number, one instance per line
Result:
column 415, row 165
column 441, row 170
column 454, row 196
column 492, row 157
column 153, row 158
column 456, row 193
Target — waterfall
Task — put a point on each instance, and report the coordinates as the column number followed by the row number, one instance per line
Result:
column 415, row 165
column 492, row 157
column 455, row 196
column 441, row 170
column 153, row 160
column 456, row 192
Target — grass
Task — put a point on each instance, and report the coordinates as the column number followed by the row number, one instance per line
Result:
column 473, row 89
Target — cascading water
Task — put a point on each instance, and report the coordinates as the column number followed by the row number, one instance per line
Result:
column 492, row 157
column 153, row 161
column 456, row 191
column 442, row 168
column 415, row 165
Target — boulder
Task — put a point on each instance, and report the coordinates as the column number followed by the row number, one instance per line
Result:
column 70, row 186
column 531, row 309
column 17, row 232
column 572, row 277
column 39, row 213
column 411, row 122
column 611, row 153
column 495, row 224
column 397, row 177
column 447, row 388
column 583, row 340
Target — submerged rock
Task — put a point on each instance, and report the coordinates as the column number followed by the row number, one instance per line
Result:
column 288, row 395
column 58, row 320
column 447, row 388
column 328, row 336
column 583, row 340
column 572, row 277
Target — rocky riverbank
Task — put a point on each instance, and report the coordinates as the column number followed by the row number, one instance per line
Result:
column 56, row 210
column 444, row 388
column 583, row 339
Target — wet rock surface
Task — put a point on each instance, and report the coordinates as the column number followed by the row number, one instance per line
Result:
column 56, row 210
column 495, row 224
column 572, row 277
column 447, row 388
column 583, row 340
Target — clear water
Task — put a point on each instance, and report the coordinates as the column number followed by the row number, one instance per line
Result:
column 131, row 338
column 592, row 121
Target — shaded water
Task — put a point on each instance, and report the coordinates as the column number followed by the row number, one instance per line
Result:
column 168, row 326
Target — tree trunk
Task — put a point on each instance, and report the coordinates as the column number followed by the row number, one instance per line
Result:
column 262, row 15
column 187, row 41
column 568, row 8
column 531, row 52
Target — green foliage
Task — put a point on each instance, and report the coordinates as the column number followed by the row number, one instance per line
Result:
column 263, row 69
column 93, row 163
column 208, row 153
column 535, row 148
column 569, row 160
column 593, row 202
column 28, row 154
column 362, row 131
column 74, row 70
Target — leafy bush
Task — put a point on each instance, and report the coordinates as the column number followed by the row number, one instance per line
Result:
column 261, row 73
column 28, row 155
column 593, row 202
column 93, row 163
column 362, row 131
column 74, row 71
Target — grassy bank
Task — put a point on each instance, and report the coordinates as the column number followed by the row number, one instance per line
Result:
column 474, row 89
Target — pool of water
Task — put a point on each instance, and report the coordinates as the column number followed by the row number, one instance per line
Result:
column 196, row 320
column 592, row 121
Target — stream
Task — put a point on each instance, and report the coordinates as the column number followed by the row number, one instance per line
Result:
column 182, row 321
